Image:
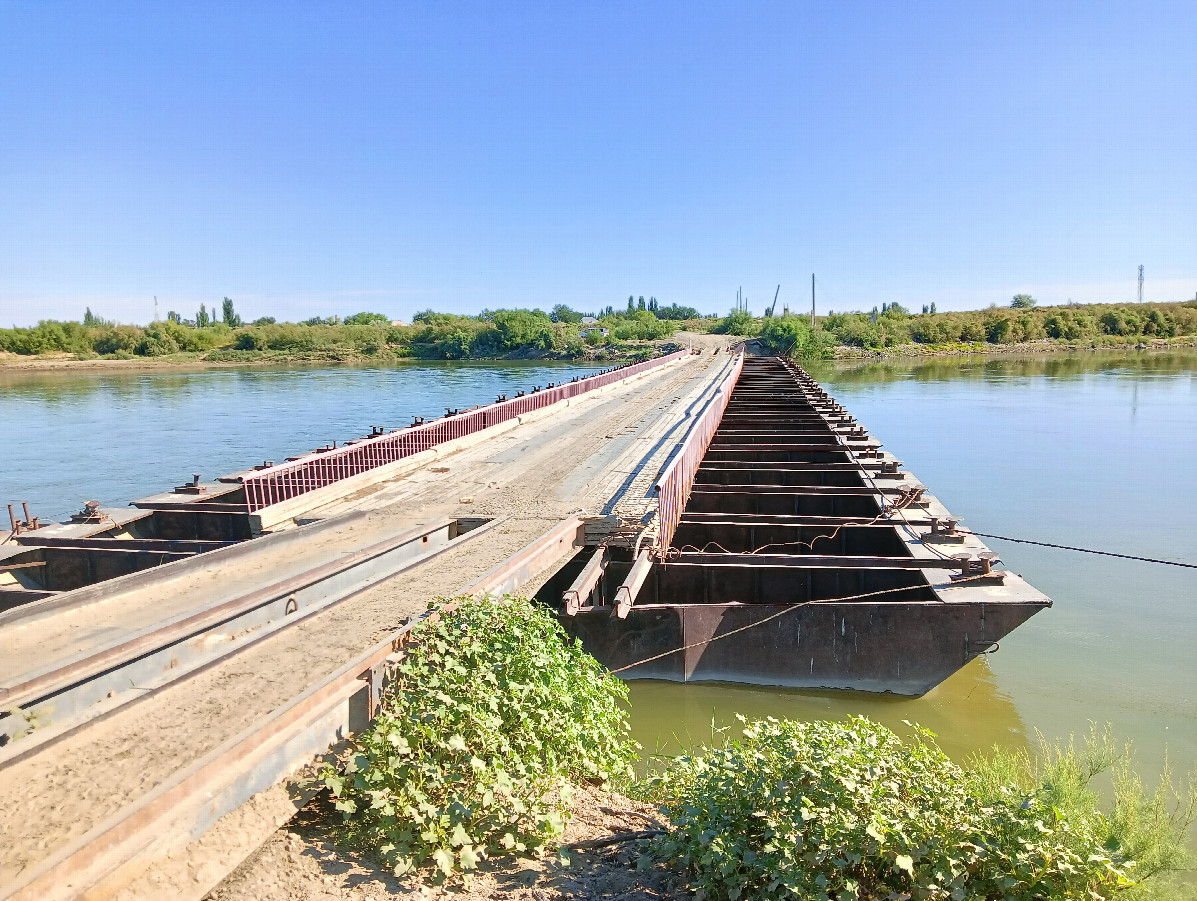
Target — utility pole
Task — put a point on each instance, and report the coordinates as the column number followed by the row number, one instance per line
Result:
column 1140, row 284
column 812, row 300
column 155, row 307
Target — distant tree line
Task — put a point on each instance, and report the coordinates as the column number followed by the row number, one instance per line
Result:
column 562, row 332
column 1023, row 321
column 431, row 335
column 892, row 325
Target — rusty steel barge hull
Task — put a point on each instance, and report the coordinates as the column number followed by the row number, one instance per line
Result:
column 795, row 553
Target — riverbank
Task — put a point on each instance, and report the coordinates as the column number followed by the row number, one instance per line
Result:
column 229, row 359
column 600, row 354
column 1022, row 348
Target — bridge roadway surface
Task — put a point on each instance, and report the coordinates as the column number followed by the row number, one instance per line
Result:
column 587, row 457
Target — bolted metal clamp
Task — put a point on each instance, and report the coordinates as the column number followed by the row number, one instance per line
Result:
column 192, row 487
column 89, row 513
column 943, row 531
column 979, row 568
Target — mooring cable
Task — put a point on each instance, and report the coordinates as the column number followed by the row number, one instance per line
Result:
column 1079, row 550
column 790, row 609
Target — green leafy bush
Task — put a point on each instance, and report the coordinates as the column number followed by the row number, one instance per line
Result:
column 737, row 322
column 847, row 810
column 523, row 328
column 792, row 336
column 642, row 325
column 490, row 713
column 854, row 329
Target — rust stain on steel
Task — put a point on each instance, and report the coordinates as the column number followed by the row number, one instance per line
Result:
column 626, row 593
column 793, row 551
column 673, row 488
column 573, row 598
column 275, row 484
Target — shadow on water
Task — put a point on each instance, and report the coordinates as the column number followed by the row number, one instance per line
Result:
column 968, row 712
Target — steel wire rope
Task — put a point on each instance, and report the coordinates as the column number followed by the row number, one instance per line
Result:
column 1081, row 550
column 790, row 609
column 1064, row 547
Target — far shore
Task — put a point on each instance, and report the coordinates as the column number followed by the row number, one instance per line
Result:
column 10, row 362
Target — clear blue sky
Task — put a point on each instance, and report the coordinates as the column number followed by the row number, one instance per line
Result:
column 328, row 158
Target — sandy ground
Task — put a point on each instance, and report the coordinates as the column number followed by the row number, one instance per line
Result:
column 303, row 863
column 51, row 798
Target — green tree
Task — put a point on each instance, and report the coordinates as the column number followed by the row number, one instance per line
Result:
column 366, row 318
column 231, row 319
column 562, row 313
column 172, row 316
column 793, row 336
column 933, row 306
column 202, row 319
column 737, row 322
column 1022, row 302
column 89, row 318
column 631, row 304
column 520, row 328
column 640, row 303
column 673, row 311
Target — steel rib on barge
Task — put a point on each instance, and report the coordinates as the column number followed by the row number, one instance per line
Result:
column 794, row 552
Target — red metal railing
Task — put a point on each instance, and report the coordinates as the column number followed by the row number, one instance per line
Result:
column 275, row 484
column 673, row 488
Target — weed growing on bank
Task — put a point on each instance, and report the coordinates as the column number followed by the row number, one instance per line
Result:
column 849, row 811
column 492, row 714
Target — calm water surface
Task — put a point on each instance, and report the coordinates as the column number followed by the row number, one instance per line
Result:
column 118, row 436
column 1096, row 450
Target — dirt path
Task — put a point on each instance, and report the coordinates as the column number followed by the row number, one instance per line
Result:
column 301, row 863
column 51, row 798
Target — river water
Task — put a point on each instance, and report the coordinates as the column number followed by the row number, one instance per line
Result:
column 1090, row 449
column 115, row 436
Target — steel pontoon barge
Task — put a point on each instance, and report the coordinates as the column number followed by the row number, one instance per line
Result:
column 791, row 550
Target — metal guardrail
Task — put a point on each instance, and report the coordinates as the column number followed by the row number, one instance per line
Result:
column 673, row 488
column 275, row 484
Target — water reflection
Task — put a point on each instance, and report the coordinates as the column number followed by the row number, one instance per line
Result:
column 1129, row 365
column 966, row 712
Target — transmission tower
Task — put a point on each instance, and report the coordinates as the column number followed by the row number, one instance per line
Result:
column 1140, row 284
